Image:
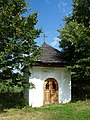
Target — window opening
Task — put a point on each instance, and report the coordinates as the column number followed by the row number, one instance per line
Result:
column 53, row 85
column 47, row 85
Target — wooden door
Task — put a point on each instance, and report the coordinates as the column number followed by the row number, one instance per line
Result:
column 50, row 91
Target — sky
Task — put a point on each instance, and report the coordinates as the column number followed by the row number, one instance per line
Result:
column 50, row 18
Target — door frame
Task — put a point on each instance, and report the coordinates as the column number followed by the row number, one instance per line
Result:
column 44, row 89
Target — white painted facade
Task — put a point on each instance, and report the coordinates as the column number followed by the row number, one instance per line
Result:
column 35, row 96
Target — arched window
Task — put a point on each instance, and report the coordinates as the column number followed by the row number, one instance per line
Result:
column 47, row 85
column 53, row 85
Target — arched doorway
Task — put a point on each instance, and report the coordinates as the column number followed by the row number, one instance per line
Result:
column 50, row 91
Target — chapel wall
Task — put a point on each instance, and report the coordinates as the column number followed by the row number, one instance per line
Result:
column 40, row 74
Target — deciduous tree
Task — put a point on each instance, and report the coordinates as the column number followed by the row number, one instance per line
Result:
column 17, row 46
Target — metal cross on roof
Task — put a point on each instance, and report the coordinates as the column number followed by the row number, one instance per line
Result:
column 44, row 37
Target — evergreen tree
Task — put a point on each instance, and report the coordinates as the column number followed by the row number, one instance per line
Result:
column 75, row 40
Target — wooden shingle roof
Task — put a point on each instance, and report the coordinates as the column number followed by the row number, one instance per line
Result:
column 50, row 55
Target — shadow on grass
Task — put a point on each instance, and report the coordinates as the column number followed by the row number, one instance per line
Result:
column 3, row 111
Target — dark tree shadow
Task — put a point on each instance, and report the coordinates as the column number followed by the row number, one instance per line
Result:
column 11, row 100
column 80, row 90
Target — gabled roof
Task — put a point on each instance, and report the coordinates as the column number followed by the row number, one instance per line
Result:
column 50, row 55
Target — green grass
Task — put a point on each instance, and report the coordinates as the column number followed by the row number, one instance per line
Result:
column 71, row 111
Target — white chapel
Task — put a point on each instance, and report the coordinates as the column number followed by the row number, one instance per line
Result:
column 51, row 78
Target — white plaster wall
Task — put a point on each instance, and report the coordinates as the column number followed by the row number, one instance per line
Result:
column 39, row 74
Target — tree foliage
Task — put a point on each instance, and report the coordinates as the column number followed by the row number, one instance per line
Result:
column 81, row 11
column 17, row 46
column 75, row 40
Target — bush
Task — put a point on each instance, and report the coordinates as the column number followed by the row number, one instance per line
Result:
column 12, row 100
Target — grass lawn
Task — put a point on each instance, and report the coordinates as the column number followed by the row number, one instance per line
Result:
column 71, row 111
